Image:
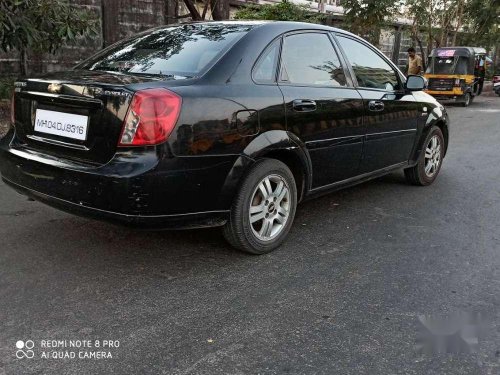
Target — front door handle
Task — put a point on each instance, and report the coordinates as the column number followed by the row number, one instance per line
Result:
column 376, row 105
column 304, row 105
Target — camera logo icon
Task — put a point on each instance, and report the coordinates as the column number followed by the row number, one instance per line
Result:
column 24, row 349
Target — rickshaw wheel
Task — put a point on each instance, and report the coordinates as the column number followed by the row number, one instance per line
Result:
column 467, row 99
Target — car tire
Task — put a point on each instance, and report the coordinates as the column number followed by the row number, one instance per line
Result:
column 430, row 160
column 263, row 210
column 467, row 100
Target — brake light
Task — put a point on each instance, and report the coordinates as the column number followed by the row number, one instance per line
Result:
column 151, row 117
column 12, row 108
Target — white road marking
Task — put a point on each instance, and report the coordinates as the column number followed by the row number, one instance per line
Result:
column 490, row 110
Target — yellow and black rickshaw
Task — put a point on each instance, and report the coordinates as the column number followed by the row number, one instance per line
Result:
column 456, row 73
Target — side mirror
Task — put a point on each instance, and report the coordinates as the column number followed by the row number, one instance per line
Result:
column 415, row 83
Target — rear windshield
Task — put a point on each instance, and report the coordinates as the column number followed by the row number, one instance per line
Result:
column 447, row 65
column 183, row 51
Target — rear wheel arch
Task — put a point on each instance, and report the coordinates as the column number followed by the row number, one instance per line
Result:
column 296, row 166
column 274, row 144
column 290, row 150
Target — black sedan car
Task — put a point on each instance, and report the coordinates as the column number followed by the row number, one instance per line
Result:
column 219, row 124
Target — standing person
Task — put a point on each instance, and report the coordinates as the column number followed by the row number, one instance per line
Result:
column 414, row 62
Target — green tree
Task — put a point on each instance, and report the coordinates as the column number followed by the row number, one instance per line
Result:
column 434, row 21
column 482, row 26
column 451, row 22
column 42, row 26
column 423, row 16
column 367, row 17
column 284, row 11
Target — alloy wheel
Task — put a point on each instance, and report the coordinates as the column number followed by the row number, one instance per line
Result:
column 432, row 156
column 269, row 207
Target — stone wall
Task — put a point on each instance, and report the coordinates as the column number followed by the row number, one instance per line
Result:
column 118, row 18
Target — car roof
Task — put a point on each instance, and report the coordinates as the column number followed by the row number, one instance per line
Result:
column 283, row 26
column 243, row 55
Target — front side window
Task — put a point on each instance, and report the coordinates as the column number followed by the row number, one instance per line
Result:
column 310, row 59
column 177, row 51
column 370, row 69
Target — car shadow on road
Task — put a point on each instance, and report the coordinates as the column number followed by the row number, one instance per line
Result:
column 114, row 239
column 84, row 246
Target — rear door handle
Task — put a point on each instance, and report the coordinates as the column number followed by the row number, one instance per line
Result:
column 375, row 106
column 304, row 105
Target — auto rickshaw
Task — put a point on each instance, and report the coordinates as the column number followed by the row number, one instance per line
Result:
column 456, row 73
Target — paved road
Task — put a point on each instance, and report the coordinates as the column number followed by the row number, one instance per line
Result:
column 342, row 296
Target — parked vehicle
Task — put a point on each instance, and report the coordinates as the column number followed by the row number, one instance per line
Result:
column 456, row 73
column 226, row 124
column 496, row 85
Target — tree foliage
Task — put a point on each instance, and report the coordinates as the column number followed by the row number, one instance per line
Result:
column 434, row 21
column 483, row 26
column 367, row 17
column 438, row 23
column 283, row 11
column 42, row 25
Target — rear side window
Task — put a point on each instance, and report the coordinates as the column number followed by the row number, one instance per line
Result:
column 175, row 51
column 370, row 69
column 310, row 59
column 265, row 69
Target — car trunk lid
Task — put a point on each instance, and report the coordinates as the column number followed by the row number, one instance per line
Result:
column 75, row 114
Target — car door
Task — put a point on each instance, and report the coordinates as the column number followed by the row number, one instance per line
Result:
column 322, row 107
column 391, row 113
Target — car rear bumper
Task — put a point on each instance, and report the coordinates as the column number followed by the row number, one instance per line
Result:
column 139, row 188
column 176, row 221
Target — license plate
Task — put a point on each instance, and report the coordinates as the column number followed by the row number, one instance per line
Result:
column 62, row 124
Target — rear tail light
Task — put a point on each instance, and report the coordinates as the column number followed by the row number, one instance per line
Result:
column 151, row 117
column 12, row 109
